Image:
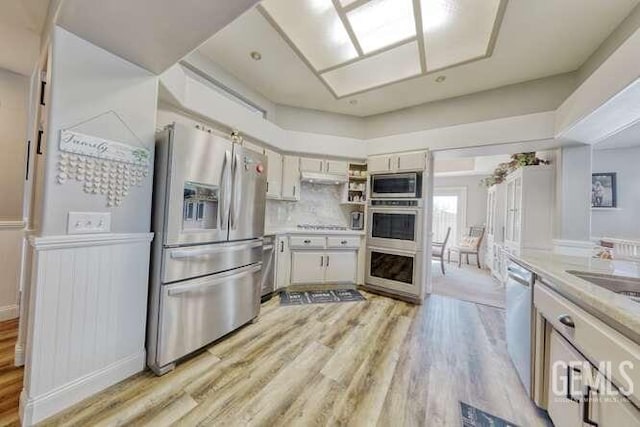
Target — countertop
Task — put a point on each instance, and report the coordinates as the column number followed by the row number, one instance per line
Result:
column 295, row 230
column 618, row 311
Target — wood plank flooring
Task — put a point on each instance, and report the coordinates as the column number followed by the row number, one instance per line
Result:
column 380, row 362
column 10, row 376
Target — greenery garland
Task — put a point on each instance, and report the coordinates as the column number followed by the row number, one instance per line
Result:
column 517, row 161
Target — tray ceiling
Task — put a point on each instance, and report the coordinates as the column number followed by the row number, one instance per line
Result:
column 312, row 61
column 354, row 46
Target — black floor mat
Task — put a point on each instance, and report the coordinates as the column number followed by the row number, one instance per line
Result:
column 474, row 417
column 320, row 297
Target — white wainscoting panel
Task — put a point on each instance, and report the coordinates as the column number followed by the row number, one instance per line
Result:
column 87, row 321
column 11, row 233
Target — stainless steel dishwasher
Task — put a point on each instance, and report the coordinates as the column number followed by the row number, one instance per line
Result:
column 519, row 322
column 267, row 284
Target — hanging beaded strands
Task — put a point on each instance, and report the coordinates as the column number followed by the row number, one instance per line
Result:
column 103, row 166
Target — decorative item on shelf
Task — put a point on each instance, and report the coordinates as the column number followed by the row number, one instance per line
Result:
column 103, row 166
column 517, row 161
column 604, row 190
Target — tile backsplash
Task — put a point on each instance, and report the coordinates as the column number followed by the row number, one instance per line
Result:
column 319, row 205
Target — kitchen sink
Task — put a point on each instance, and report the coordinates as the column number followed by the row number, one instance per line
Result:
column 628, row 286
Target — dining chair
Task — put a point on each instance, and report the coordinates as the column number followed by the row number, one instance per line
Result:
column 438, row 248
column 469, row 245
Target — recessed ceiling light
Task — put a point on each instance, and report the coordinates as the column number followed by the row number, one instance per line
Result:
column 257, row 56
column 353, row 102
column 440, row 79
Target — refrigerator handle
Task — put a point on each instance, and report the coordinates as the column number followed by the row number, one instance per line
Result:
column 226, row 190
column 237, row 193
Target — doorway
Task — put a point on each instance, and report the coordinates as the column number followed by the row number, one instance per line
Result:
column 449, row 211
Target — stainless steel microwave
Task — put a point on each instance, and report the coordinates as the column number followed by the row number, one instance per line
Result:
column 397, row 185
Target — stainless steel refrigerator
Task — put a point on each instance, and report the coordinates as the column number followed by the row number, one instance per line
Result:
column 209, row 203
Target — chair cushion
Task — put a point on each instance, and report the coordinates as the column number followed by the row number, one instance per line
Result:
column 469, row 242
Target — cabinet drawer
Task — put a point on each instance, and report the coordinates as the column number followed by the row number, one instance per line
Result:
column 301, row 242
column 596, row 340
column 346, row 242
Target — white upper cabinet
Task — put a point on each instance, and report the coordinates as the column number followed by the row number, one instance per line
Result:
column 274, row 174
column 379, row 164
column 311, row 165
column 405, row 162
column 335, row 167
column 290, row 178
column 529, row 208
column 410, row 162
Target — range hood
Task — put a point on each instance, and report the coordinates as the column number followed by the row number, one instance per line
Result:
column 323, row 178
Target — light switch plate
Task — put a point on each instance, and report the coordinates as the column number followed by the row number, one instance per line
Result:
column 88, row 222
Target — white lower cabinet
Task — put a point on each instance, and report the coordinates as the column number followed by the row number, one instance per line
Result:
column 565, row 383
column 283, row 262
column 312, row 267
column 580, row 395
column 341, row 267
column 307, row 267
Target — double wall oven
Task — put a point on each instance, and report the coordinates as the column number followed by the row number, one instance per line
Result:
column 395, row 234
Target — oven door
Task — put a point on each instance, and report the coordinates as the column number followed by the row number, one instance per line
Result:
column 398, row 228
column 394, row 186
column 394, row 270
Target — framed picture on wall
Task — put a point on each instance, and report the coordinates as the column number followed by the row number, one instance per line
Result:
column 603, row 190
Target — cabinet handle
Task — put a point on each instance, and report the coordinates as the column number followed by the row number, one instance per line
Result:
column 344, row 242
column 585, row 407
column 282, row 246
column 327, row 260
column 294, row 191
column 26, row 175
column 39, row 145
column 398, row 162
column 321, row 260
column 42, row 88
column 320, row 168
column 389, row 163
column 307, row 241
column 267, row 186
column 569, row 382
column 566, row 320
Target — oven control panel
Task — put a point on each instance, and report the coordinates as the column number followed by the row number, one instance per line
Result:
column 400, row 203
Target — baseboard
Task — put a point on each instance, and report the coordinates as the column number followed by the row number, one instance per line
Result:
column 18, row 356
column 8, row 312
column 33, row 410
column 573, row 247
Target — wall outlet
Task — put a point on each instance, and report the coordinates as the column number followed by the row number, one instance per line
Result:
column 88, row 222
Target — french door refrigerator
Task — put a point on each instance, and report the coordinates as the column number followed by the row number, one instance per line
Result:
column 209, row 203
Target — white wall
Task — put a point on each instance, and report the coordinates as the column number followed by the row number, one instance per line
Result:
column 86, row 83
column 14, row 92
column 88, row 293
column 10, row 252
column 574, row 186
column 622, row 223
column 520, row 99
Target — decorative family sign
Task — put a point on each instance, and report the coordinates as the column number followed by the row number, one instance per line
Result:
column 105, row 167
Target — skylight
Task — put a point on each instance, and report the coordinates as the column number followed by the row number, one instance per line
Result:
column 359, row 45
column 381, row 23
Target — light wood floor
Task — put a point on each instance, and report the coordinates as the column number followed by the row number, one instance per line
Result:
column 468, row 283
column 10, row 376
column 380, row 362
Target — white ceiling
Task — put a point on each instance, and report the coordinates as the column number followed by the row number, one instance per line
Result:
column 154, row 34
column 21, row 23
column 627, row 138
column 536, row 39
